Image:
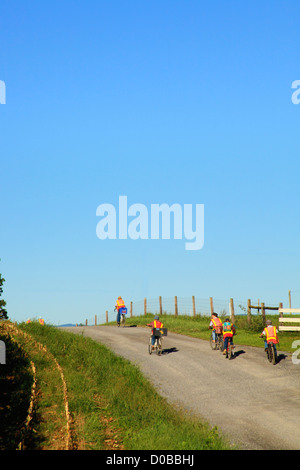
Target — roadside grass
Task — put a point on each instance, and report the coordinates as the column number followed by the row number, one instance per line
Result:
column 49, row 420
column 15, row 386
column 197, row 327
column 46, row 430
column 112, row 405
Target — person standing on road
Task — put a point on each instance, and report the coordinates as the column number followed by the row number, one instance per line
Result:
column 216, row 326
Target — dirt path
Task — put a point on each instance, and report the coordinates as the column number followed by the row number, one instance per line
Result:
column 250, row 400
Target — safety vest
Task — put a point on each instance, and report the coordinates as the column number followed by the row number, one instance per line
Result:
column 120, row 303
column 216, row 322
column 227, row 330
column 41, row 321
column 157, row 324
column 271, row 334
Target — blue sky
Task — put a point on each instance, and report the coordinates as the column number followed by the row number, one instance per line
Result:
column 164, row 102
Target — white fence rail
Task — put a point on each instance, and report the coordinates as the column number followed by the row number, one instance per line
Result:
column 289, row 320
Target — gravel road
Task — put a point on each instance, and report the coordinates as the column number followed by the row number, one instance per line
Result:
column 254, row 403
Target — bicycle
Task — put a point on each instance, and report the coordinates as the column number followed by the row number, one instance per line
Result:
column 122, row 317
column 271, row 353
column 218, row 343
column 229, row 352
column 157, row 347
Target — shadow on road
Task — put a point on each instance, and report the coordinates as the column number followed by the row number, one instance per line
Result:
column 280, row 357
column 170, row 350
column 238, row 353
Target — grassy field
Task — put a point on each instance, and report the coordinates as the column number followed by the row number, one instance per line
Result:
column 112, row 405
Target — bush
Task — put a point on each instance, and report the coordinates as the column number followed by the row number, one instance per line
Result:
column 256, row 325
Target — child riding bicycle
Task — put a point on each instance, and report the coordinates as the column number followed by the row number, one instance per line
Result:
column 228, row 332
column 155, row 325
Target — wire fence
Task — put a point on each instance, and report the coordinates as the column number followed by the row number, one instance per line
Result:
column 190, row 306
column 180, row 306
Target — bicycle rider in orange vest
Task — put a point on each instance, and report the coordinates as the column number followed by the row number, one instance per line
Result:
column 270, row 333
column 228, row 333
column 155, row 324
column 119, row 304
column 216, row 325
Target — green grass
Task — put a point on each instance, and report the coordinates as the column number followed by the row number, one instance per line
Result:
column 108, row 393
column 49, row 417
column 15, row 389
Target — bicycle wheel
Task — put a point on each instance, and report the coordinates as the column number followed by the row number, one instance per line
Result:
column 123, row 320
column 150, row 347
column 159, row 347
column 213, row 345
column 273, row 354
column 270, row 352
column 221, row 343
column 229, row 350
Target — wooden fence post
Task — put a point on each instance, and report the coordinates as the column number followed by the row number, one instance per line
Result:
column 281, row 306
column 95, row 320
column 160, row 305
column 86, row 322
column 194, row 307
column 249, row 311
column 130, row 309
column 145, row 306
column 263, row 312
column 232, row 310
column 176, row 306
column 106, row 315
column 211, row 305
